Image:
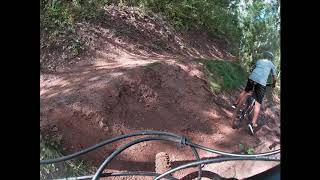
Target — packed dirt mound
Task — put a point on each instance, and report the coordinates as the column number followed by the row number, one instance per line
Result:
column 159, row 97
column 166, row 96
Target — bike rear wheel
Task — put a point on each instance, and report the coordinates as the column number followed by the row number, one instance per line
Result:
column 243, row 112
column 240, row 114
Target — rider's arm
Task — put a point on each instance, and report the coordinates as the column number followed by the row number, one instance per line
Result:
column 274, row 80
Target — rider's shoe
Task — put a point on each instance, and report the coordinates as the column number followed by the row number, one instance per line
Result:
column 234, row 105
column 252, row 129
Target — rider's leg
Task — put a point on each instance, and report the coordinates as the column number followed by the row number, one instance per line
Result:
column 256, row 113
column 259, row 92
column 241, row 97
column 245, row 93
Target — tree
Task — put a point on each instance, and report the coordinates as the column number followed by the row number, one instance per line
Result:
column 259, row 22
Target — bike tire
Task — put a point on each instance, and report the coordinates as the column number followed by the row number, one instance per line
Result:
column 242, row 113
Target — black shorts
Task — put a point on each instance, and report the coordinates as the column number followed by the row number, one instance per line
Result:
column 258, row 90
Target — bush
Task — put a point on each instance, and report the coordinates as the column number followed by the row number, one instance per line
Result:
column 50, row 148
column 224, row 75
column 57, row 23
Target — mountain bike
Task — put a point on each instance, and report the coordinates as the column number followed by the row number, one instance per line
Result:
column 245, row 111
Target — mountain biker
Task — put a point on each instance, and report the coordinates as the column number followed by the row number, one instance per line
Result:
column 257, row 82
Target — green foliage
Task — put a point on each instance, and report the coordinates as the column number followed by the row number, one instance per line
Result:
column 77, row 47
column 224, row 75
column 242, row 147
column 57, row 22
column 260, row 25
column 91, row 9
column 48, row 151
column 250, row 151
column 217, row 17
column 55, row 16
column 246, row 149
column 50, row 147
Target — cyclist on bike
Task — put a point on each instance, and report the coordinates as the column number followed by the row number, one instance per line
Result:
column 257, row 82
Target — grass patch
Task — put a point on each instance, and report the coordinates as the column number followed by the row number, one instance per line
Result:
column 154, row 66
column 245, row 149
column 224, row 75
column 50, row 147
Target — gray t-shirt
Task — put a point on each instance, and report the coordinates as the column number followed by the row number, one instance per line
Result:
column 262, row 70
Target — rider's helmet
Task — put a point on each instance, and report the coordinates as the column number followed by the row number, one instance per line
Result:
column 268, row 55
